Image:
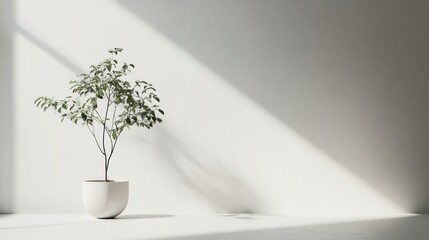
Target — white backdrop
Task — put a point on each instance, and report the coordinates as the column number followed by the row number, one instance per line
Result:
column 287, row 107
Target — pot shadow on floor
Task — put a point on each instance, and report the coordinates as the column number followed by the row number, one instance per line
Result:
column 141, row 216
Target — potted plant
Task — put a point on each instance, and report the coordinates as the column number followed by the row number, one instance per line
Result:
column 107, row 105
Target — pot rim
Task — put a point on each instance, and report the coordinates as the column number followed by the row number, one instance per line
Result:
column 103, row 181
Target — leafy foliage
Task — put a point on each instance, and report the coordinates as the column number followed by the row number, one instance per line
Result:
column 102, row 97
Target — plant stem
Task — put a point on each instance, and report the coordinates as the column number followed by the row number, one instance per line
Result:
column 112, row 149
column 95, row 138
column 104, row 134
column 114, row 116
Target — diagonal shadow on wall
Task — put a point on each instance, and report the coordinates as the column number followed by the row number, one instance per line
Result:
column 351, row 77
column 48, row 49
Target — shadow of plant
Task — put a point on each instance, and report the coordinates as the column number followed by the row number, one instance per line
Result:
column 205, row 175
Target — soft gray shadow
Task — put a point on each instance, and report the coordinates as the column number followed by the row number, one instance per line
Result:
column 48, row 49
column 223, row 189
column 349, row 76
column 415, row 228
column 142, row 216
column 244, row 216
column 6, row 106
column 253, row 216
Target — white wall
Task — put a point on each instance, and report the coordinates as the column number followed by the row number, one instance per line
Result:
column 288, row 107
column 6, row 102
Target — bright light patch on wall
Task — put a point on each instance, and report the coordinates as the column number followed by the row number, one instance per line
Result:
column 229, row 153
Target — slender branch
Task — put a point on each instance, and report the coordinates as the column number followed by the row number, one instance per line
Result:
column 93, row 129
column 99, row 119
column 104, row 134
column 114, row 116
column 98, row 114
column 110, row 137
column 95, row 138
column 108, row 130
column 113, row 148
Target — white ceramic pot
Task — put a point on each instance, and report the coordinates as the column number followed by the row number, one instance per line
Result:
column 105, row 199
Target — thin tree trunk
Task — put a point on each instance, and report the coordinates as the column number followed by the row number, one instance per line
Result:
column 104, row 133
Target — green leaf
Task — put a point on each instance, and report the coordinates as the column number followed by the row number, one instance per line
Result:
column 35, row 101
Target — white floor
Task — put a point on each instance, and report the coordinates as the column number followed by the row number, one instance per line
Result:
column 225, row 227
